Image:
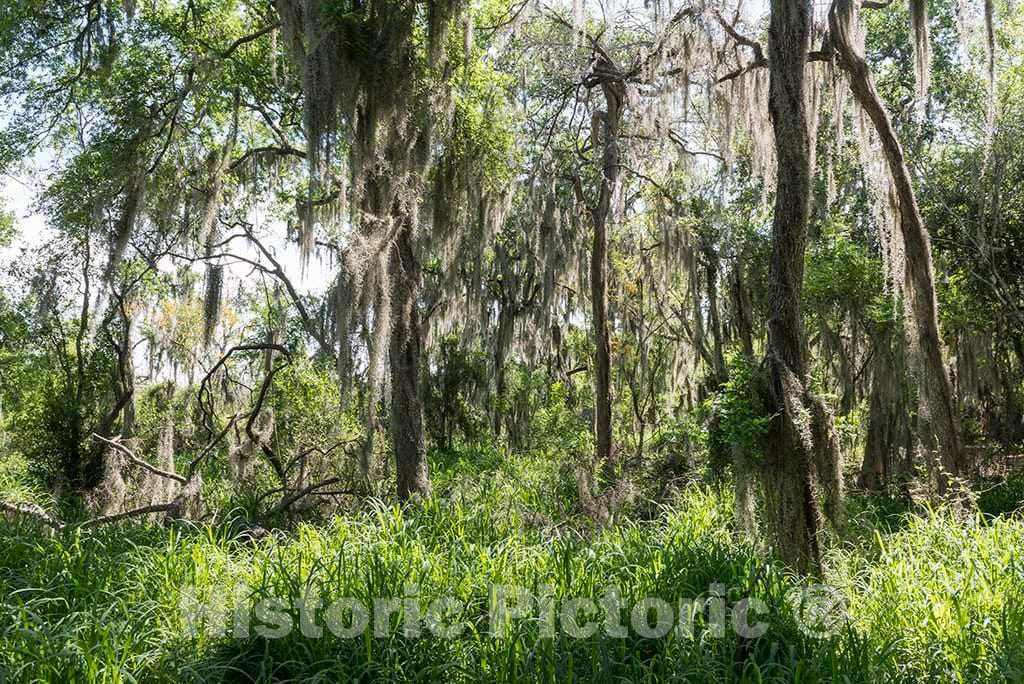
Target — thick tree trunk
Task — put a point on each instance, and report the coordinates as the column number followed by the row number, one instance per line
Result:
column 408, row 442
column 938, row 424
column 794, row 440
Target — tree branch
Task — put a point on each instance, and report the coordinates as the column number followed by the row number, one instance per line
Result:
column 740, row 38
column 224, row 54
column 116, row 443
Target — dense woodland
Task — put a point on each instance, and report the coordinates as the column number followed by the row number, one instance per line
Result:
column 340, row 295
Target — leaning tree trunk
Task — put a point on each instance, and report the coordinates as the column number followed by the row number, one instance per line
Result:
column 407, row 437
column 798, row 441
column 938, row 423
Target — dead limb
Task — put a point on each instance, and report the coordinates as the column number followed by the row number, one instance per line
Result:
column 36, row 512
column 116, row 443
column 33, row 511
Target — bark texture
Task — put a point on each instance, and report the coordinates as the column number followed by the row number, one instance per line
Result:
column 888, row 444
column 404, row 353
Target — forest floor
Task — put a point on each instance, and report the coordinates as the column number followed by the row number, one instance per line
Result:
column 929, row 595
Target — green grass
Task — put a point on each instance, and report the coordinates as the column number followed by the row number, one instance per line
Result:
column 937, row 598
column 15, row 483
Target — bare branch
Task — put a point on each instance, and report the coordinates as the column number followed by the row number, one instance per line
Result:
column 824, row 55
column 116, row 443
column 740, row 38
column 282, row 151
column 224, row 54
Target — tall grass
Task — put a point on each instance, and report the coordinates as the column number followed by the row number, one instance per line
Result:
column 938, row 599
column 942, row 597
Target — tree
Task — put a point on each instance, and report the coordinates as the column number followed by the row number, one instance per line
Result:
column 605, row 124
column 798, row 441
column 939, row 428
column 370, row 80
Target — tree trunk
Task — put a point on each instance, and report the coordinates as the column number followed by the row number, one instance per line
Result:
column 126, row 391
column 744, row 496
column 613, row 94
column 602, row 343
column 743, row 309
column 791, row 508
column 744, row 480
column 506, row 319
column 711, row 274
column 408, row 442
column 888, row 439
column 938, row 424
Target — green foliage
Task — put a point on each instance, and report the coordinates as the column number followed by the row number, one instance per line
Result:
column 16, row 480
column 482, row 134
column 933, row 597
column 1001, row 496
column 956, row 90
column 940, row 598
column 524, row 392
column 550, row 417
column 841, row 275
column 48, row 405
column 7, row 230
column 679, row 444
column 455, row 385
column 482, row 129
column 558, row 429
column 738, row 409
column 309, row 411
column 850, row 429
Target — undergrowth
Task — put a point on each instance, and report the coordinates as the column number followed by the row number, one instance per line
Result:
column 936, row 597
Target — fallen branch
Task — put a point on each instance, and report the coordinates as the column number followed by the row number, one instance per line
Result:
column 33, row 511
